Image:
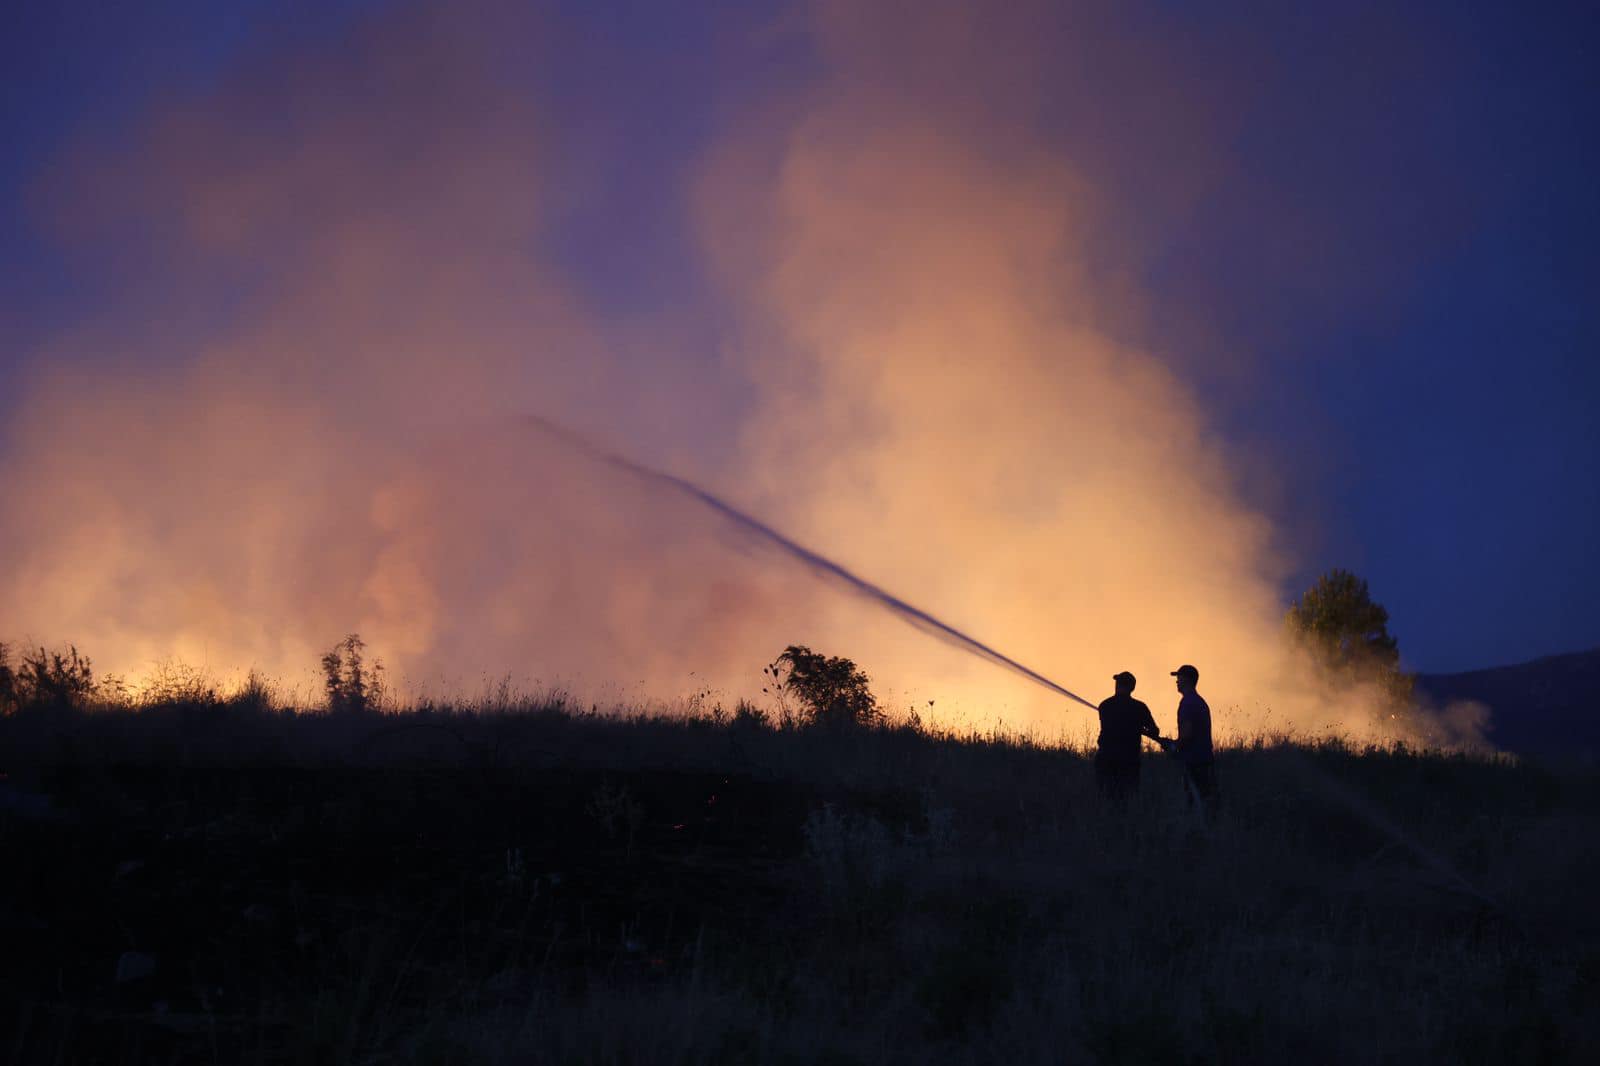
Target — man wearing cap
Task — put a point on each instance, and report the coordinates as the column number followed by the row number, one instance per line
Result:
column 1123, row 721
column 1193, row 746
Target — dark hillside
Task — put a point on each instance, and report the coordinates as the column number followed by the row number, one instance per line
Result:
column 226, row 883
column 1547, row 707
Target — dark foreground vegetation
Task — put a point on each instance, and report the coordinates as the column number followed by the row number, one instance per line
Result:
column 212, row 880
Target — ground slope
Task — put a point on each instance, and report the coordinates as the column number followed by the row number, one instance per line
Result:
column 1546, row 707
column 229, row 884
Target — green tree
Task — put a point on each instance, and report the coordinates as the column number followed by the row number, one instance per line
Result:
column 832, row 691
column 1347, row 634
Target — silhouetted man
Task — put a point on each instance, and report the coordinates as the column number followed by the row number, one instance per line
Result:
column 1193, row 746
column 1123, row 720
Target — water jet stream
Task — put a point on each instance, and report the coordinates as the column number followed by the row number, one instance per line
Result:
column 817, row 564
column 827, row 568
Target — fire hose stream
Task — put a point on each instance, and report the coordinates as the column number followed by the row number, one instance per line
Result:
column 917, row 617
column 818, row 564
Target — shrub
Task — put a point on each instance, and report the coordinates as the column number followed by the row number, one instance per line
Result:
column 256, row 694
column 747, row 715
column 45, row 679
column 350, row 683
column 174, row 682
column 832, row 691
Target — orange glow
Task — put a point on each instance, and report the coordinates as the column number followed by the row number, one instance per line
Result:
column 940, row 402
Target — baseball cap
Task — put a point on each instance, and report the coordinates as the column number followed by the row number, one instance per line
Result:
column 1125, row 676
column 1187, row 671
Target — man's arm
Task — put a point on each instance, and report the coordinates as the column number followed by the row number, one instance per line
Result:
column 1185, row 731
column 1148, row 726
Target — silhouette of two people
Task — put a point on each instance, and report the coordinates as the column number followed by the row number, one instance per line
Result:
column 1125, row 721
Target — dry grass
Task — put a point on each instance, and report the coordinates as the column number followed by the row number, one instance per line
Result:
column 886, row 895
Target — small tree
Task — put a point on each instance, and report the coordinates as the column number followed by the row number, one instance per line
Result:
column 1347, row 634
column 350, row 683
column 832, row 691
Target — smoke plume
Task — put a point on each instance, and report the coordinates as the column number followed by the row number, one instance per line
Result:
column 299, row 418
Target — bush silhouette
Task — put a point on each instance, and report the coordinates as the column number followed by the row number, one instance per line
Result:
column 61, row 680
column 350, row 683
column 832, row 691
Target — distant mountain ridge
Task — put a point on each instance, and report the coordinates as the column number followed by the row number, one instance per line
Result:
column 1549, row 706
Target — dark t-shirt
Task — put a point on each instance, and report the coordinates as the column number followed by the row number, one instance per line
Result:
column 1122, row 720
column 1194, row 729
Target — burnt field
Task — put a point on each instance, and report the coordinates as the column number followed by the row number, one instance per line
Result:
column 235, row 883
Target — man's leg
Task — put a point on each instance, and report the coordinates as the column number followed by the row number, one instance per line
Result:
column 1203, row 776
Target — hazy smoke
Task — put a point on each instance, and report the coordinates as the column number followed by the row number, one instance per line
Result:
column 302, row 426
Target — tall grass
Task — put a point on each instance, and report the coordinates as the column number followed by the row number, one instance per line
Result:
column 921, row 895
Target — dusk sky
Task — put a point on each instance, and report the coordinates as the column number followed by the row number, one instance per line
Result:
column 1362, row 239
